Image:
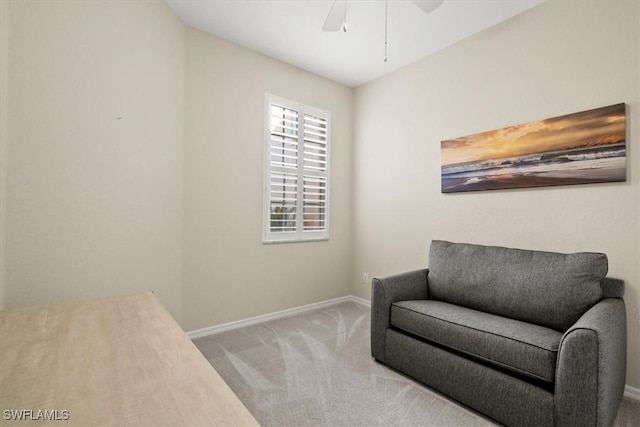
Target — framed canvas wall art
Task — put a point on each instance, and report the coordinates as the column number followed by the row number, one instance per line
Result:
column 579, row 148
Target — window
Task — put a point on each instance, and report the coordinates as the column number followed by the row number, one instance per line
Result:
column 296, row 190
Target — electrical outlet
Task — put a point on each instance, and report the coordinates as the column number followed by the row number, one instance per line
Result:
column 365, row 278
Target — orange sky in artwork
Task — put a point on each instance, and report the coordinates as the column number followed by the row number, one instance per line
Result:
column 586, row 129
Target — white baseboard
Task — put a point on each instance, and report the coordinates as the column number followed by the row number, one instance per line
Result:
column 360, row 301
column 632, row 392
column 629, row 391
column 216, row 329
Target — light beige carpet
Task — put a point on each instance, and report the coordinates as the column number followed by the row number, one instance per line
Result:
column 316, row 369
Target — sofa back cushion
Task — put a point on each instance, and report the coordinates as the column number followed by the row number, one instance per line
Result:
column 545, row 288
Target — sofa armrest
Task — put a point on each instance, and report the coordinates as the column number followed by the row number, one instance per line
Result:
column 591, row 366
column 384, row 292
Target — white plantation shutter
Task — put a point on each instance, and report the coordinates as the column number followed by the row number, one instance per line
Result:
column 314, row 184
column 296, row 172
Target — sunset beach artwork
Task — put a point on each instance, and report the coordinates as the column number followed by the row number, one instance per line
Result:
column 580, row 148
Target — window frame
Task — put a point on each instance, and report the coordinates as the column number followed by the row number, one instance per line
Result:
column 299, row 235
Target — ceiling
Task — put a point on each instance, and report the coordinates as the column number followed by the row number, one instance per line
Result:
column 291, row 30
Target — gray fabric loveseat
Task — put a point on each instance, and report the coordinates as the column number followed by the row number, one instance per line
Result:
column 525, row 337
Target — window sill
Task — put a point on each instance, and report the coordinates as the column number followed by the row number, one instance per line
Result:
column 309, row 240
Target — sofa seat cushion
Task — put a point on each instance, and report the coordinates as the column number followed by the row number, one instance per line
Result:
column 517, row 346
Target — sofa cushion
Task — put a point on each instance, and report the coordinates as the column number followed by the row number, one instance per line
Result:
column 546, row 288
column 518, row 346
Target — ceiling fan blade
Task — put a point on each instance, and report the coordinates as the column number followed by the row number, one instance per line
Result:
column 428, row 6
column 335, row 19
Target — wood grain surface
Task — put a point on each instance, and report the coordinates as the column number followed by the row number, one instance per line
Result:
column 114, row 361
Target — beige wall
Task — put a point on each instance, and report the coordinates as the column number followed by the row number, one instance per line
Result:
column 94, row 187
column 228, row 273
column 555, row 59
column 94, row 182
column 4, row 131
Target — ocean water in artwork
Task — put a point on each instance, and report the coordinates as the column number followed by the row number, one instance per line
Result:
column 601, row 163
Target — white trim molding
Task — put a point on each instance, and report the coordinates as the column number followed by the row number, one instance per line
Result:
column 360, row 301
column 632, row 392
column 216, row 329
